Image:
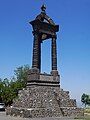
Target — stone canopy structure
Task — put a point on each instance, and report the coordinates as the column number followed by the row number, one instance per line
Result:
column 44, row 28
column 43, row 96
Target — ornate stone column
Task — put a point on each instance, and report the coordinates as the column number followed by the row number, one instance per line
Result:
column 54, row 54
column 36, row 60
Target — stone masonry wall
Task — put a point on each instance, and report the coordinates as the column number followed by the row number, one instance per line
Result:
column 43, row 101
column 43, row 98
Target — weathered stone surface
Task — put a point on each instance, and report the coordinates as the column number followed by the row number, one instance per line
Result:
column 36, row 78
column 72, row 111
column 44, row 101
column 54, row 54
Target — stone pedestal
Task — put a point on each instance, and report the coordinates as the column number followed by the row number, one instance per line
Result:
column 43, row 98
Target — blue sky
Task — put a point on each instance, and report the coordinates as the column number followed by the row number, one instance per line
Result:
column 73, row 42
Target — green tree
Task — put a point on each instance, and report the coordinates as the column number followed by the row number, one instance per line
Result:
column 1, row 88
column 7, row 92
column 9, row 87
column 85, row 99
column 21, row 75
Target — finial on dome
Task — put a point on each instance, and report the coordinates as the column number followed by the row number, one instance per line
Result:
column 43, row 8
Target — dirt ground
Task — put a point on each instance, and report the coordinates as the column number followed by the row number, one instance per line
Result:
column 3, row 116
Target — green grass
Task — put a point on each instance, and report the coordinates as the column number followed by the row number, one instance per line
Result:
column 86, row 115
column 87, row 110
column 87, row 118
column 82, row 118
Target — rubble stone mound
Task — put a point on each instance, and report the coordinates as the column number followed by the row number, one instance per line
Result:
column 44, row 100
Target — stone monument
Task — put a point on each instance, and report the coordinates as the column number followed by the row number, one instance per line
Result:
column 43, row 96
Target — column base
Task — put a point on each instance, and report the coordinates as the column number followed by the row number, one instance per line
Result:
column 54, row 73
column 33, row 74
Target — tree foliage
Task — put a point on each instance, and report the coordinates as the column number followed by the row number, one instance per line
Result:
column 85, row 99
column 7, row 93
column 9, row 87
column 21, row 74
